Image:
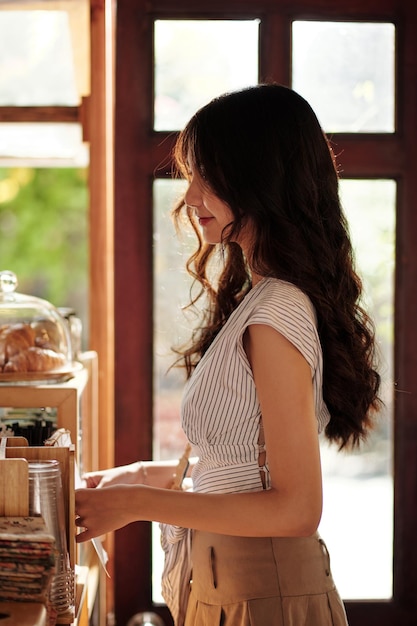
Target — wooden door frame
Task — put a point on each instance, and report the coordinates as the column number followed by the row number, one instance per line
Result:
column 139, row 151
column 96, row 116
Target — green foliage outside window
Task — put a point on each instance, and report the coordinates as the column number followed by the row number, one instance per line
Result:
column 44, row 233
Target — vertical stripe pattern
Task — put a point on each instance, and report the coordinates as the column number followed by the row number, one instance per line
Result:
column 221, row 413
column 220, row 409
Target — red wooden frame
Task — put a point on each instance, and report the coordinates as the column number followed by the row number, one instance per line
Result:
column 139, row 150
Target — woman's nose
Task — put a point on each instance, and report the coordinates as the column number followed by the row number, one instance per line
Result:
column 192, row 196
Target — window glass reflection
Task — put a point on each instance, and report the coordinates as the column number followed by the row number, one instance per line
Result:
column 358, row 487
column 171, row 326
column 358, row 491
column 346, row 71
column 37, row 58
column 48, row 143
column 196, row 60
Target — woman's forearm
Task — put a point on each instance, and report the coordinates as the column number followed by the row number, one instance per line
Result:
column 265, row 513
column 151, row 473
column 160, row 474
column 262, row 513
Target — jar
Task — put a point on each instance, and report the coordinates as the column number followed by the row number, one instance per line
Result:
column 46, row 500
column 35, row 342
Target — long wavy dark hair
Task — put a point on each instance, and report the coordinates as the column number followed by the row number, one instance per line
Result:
column 262, row 151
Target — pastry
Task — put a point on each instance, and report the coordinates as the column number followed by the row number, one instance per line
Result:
column 24, row 348
column 19, row 337
column 34, row 359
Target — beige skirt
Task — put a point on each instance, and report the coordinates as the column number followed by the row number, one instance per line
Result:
column 239, row 581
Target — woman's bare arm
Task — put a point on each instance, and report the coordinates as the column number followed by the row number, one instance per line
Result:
column 152, row 473
column 292, row 507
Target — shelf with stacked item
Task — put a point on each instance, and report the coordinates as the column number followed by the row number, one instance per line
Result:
column 28, row 546
column 71, row 408
column 37, row 411
column 48, row 413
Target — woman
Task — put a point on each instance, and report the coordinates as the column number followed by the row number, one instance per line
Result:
column 283, row 351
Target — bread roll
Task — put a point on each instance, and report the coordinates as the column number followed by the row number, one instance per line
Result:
column 20, row 350
column 34, row 359
column 20, row 337
column 47, row 334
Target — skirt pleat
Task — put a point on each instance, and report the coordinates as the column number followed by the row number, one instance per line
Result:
column 312, row 610
column 240, row 581
column 203, row 614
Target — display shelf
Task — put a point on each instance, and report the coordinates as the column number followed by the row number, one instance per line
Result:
column 74, row 405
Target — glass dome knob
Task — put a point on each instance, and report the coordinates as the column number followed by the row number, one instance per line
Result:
column 8, row 282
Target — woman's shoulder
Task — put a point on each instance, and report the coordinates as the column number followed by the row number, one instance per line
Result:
column 287, row 309
column 274, row 292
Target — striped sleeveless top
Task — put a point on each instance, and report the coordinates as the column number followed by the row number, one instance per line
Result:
column 221, row 414
column 220, row 409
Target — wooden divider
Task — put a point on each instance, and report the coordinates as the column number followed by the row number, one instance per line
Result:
column 65, row 456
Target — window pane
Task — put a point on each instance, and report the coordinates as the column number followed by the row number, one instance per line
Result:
column 195, row 60
column 37, row 58
column 44, row 232
column 357, row 486
column 357, row 521
column 51, row 143
column 171, row 328
column 171, row 289
column 346, row 71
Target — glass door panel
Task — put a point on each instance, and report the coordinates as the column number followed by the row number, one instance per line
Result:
column 196, row 60
column 43, row 57
column 357, row 517
column 358, row 506
column 346, row 72
column 171, row 326
column 357, row 521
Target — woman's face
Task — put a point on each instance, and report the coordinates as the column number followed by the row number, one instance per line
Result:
column 212, row 214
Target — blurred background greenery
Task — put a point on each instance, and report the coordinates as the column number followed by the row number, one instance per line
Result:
column 44, row 233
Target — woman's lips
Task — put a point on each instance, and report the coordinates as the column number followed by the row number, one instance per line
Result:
column 203, row 221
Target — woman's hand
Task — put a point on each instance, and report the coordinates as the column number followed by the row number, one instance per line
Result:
column 99, row 511
column 133, row 474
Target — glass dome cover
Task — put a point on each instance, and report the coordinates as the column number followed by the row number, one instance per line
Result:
column 35, row 341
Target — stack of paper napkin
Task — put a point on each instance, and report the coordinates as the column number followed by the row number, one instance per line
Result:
column 27, row 559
